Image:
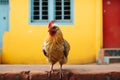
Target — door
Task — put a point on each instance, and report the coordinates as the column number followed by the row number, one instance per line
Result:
column 111, row 23
column 4, row 18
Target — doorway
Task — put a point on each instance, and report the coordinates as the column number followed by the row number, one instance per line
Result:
column 111, row 23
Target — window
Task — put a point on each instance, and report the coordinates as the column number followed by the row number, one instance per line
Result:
column 42, row 11
column 39, row 11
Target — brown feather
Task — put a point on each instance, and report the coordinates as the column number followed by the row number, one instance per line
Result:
column 55, row 47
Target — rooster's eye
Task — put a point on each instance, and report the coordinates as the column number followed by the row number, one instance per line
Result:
column 54, row 27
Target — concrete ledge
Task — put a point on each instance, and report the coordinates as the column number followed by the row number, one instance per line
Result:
column 70, row 72
column 14, row 75
column 109, row 55
column 68, row 75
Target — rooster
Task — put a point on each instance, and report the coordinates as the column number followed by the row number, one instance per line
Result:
column 55, row 47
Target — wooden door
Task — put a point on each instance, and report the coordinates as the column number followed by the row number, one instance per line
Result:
column 111, row 23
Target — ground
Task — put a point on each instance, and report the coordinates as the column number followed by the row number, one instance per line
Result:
column 70, row 72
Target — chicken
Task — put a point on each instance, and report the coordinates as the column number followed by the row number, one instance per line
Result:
column 55, row 47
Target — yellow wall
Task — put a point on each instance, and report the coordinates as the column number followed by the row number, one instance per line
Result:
column 22, row 44
column 0, row 54
column 0, row 58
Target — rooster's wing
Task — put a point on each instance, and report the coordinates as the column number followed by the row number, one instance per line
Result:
column 44, row 49
column 66, row 48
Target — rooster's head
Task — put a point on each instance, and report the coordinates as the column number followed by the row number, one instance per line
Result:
column 52, row 28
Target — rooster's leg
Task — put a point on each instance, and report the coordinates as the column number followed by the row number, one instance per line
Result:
column 61, row 74
column 51, row 70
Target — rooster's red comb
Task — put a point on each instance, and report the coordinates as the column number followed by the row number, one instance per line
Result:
column 50, row 24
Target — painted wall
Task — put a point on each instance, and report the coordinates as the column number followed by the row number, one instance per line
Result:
column 0, row 54
column 111, row 20
column 22, row 44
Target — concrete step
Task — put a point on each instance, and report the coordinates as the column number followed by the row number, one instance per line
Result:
column 70, row 72
column 109, row 55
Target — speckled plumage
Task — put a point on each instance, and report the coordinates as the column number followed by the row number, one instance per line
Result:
column 56, row 48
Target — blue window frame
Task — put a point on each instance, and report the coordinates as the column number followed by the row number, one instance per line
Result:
column 42, row 11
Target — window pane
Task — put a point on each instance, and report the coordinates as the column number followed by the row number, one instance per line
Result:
column 66, row 12
column 45, row 12
column 44, row 9
column 45, row 0
column 4, row 2
column 36, row 13
column 45, row 17
column 58, row 13
column 36, row 0
column 58, row 3
column 36, row 10
column 63, row 10
column 67, row 9
column 44, row 3
column 66, row 17
column 40, row 10
column 36, row 3
column 67, row 0
column 58, row 0
column 36, row 17
column 66, row 3
column 58, row 17
column 58, row 10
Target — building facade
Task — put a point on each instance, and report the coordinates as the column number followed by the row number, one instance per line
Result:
column 25, row 29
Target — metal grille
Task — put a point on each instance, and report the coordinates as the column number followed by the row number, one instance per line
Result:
column 66, row 9
column 40, row 10
column 36, row 8
column 58, row 9
column 62, row 10
column 4, row 2
column 44, row 9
